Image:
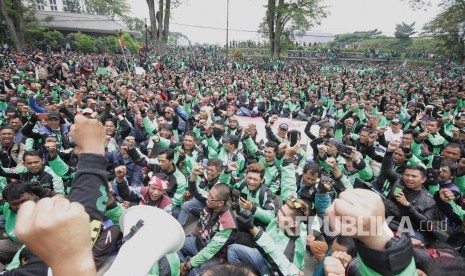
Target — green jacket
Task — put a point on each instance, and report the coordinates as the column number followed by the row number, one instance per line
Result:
column 216, row 150
column 188, row 161
column 272, row 171
column 274, row 243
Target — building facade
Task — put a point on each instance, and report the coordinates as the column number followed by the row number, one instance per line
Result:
column 58, row 5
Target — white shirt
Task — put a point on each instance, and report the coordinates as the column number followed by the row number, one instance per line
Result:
column 390, row 136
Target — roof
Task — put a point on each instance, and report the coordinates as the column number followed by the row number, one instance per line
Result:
column 84, row 22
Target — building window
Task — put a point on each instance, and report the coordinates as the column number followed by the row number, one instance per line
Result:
column 40, row 7
column 53, row 5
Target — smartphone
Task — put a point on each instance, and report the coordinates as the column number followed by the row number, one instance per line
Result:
column 50, row 100
column 348, row 131
column 344, row 150
column 244, row 196
column 42, row 116
column 425, row 118
column 437, row 162
column 294, row 137
column 398, row 189
column 114, row 104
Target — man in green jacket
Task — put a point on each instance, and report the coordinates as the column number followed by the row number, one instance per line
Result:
column 214, row 232
column 270, row 254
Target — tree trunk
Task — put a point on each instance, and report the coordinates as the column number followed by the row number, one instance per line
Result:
column 153, row 25
column 18, row 37
column 166, row 26
column 160, row 14
column 278, row 29
column 461, row 51
column 270, row 19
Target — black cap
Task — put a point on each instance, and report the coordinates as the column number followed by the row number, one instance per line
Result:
column 231, row 138
column 284, row 126
column 167, row 126
column 54, row 114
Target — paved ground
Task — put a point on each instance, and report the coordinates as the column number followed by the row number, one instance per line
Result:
column 293, row 124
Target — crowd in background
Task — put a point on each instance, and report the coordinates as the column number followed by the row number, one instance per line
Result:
column 175, row 140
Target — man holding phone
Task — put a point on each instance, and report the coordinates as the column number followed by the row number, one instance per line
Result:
column 205, row 176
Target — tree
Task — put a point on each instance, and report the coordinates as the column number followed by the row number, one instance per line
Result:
column 16, row 14
column 134, row 23
column 111, row 8
column 107, row 44
column 85, row 44
column 356, row 36
column 404, row 30
column 285, row 18
column 53, row 38
column 131, row 45
column 72, row 6
column 449, row 27
column 160, row 22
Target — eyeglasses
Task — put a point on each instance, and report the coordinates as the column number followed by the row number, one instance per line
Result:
column 209, row 197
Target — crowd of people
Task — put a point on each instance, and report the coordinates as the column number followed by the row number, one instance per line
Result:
column 388, row 151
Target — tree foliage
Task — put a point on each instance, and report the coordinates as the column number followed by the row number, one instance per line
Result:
column 134, row 23
column 449, row 27
column 356, row 36
column 72, row 6
column 285, row 18
column 111, row 8
column 85, row 44
column 53, row 38
column 16, row 15
column 107, row 44
column 131, row 45
column 404, row 30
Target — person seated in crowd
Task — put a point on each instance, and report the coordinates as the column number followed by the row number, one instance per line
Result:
column 216, row 230
column 204, row 179
column 35, row 170
column 164, row 163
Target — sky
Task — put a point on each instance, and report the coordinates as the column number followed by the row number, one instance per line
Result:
column 204, row 21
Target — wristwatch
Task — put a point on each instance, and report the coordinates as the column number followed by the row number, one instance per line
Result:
column 187, row 267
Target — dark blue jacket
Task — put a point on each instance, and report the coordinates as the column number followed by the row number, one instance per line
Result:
column 134, row 173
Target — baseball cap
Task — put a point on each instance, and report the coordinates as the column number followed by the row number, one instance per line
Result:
column 284, row 126
column 54, row 114
column 231, row 138
column 157, row 182
column 87, row 111
column 396, row 121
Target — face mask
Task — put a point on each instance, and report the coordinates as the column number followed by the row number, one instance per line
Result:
column 217, row 133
